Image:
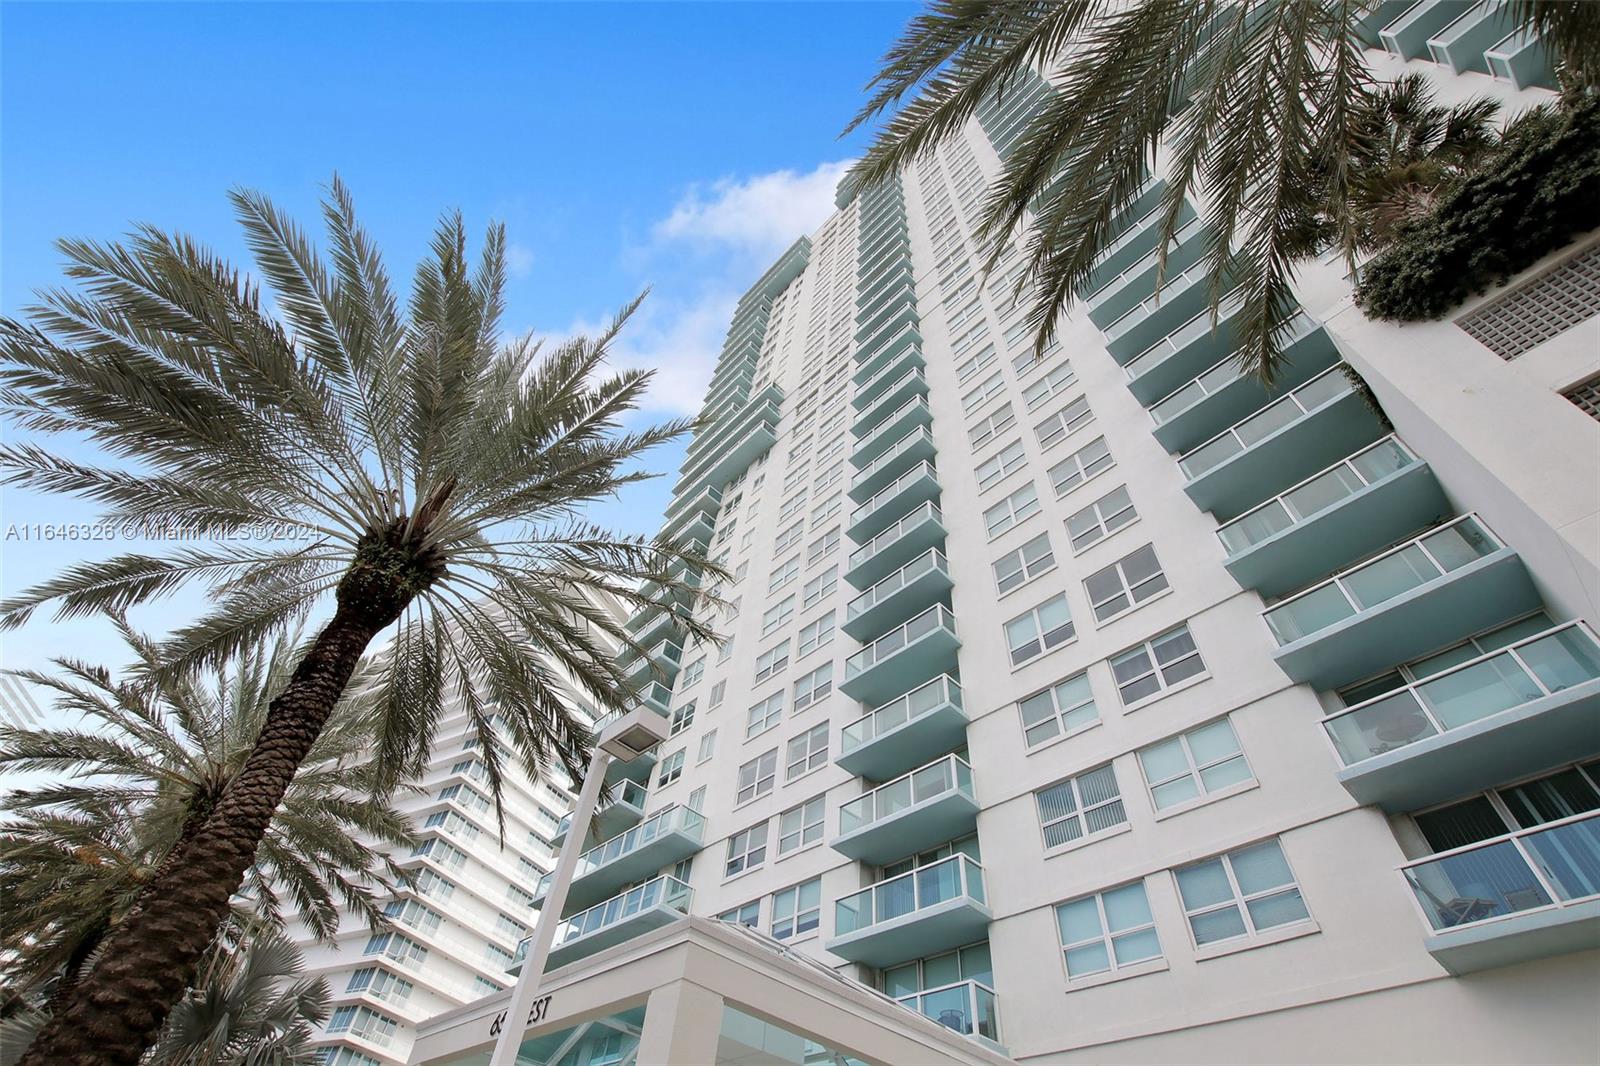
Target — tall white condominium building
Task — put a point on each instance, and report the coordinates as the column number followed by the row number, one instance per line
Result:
column 1107, row 706
column 455, row 929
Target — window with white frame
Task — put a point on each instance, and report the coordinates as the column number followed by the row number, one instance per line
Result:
column 764, row 715
column 1032, row 358
column 692, row 673
column 799, row 826
column 789, row 538
column 1055, row 382
column 410, row 913
column 1065, row 422
column 819, row 587
column 829, row 477
column 966, row 369
column 1125, row 584
column 1024, row 564
column 785, row 573
column 815, row 634
column 1062, row 709
column 992, row 386
column 1200, row 762
column 1006, row 460
column 746, row 850
column 797, row 910
column 757, row 776
column 1080, row 466
column 1101, row 518
column 1031, row 634
column 719, row 692
column 1021, row 504
column 770, row 662
column 807, row 752
column 671, row 768
column 776, row 616
column 792, row 506
column 826, row 510
column 1156, row 665
column 999, row 420
column 1107, row 931
column 708, row 747
column 1080, row 807
column 725, row 650
column 813, row 687
column 747, row 915
column 363, row 1022
column 823, row 546
column 682, row 718
column 1241, row 893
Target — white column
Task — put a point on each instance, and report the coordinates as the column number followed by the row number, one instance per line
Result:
column 682, row 1023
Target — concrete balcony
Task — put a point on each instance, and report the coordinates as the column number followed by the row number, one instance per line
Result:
column 917, row 485
column 660, row 840
column 1523, row 896
column 931, row 805
column 890, row 428
column 624, row 810
column 886, row 326
column 880, row 302
column 1407, row 36
column 939, row 906
column 1223, row 393
column 1377, row 17
column 883, row 260
column 1523, row 59
column 919, row 584
column 1498, row 717
column 660, row 662
column 906, row 732
column 902, row 302
column 916, row 531
column 1120, row 294
column 653, row 624
column 904, row 657
column 706, row 501
column 1348, row 511
column 884, row 282
column 872, row 392
column 969, row 1007
column 893, row 393
column 1284, row 442
column 615, row 921
column 1448, row 583
column 872, row 358
column 1461, row 44
column 1181, row 298
column 1138, row 239
column 915, row 447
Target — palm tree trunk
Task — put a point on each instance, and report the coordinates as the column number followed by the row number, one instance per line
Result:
column 150, row 959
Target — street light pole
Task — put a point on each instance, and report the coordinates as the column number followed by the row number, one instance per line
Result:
column 526, row 990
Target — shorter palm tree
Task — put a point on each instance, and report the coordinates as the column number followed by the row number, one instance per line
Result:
column 156, row 753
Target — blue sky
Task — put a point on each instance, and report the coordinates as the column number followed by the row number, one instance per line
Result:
column 674, row 145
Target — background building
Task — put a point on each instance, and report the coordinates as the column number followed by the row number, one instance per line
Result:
column 1105, row 705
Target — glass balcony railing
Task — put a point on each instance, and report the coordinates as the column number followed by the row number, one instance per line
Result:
column 941, row 692
column 1239, row 437
column 673, row 819
column 1111, row 285
column 667, row 896
column 924, row 469
column 870, row 353
column 1521, row 58
column 627, row 794
column 664, row 652
column 1531, row 669
column 935, row 619
column 930, row 561
column 1153, row 303
column 1377, row 581
column 918, row 441
column 874, row 438
column 1175, row 403
column 1316, row 494
column 1131, row 234
column 953, row 878
column 942, row 776
column 1199, row 326
column 1544, row 868
column 968, row 1007
column 890, row 380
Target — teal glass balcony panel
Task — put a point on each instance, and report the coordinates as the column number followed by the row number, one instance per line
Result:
column 917, row 485
column 657, row 623
column 625, row 809
column 1286, row 441
column 1138, row 239
column 906, row 732
column 1348, row 511
column 1498, row 717
column 1442, row 586
column 914, row 447
column 621, row 918
column 884, row 282
column 1523, row 59
column 872, row 358
column 911, row 589
column 764, row 406
column 661, row 662
column 1461, row 44
column 890, row 428
column 660, row 840
column 923, row 648
column 883, row 261
column 680, row 576
column 637, row 770
column 897, row 317
column 931, row 805
column 875, row 216
column 778, row 276
column 1407, row 36
column 1120, row 294
column 739, row 454
column 892, row 238
column 940, row 906
column 693, row 527
column 1219, row 396
column 1377, row 17
column 1171, row 359
column 1527, row 895
column 884, row 301
column 915, row 532
column 892, row 395
column 892, row 308
column 1182, row 297
column 706, row 500
column 969, row 1007
column 871, row 393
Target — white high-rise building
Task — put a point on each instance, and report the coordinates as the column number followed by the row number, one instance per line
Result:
column 454, row 930
column 1105, row 705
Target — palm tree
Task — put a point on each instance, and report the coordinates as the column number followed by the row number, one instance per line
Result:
column 153, row 758
column 1257, row 102
column 413, row 470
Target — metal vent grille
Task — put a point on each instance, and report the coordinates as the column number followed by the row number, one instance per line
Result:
column 1587, row 397
column 1540, row 308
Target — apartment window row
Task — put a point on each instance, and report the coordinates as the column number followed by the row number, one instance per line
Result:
column 795, row 911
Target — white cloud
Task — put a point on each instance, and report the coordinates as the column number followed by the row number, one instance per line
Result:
column 519, row 260
column 762, row 214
